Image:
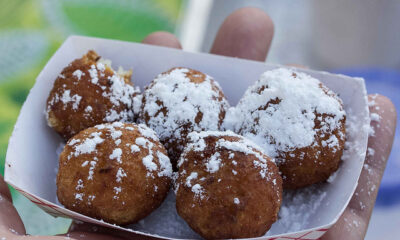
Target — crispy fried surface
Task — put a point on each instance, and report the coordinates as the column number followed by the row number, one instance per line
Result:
column 111, row 184
column 298, row 121
column 86, row 94
column 235, row 201
column 313, row 164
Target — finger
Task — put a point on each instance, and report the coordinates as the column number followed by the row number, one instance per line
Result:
column 164, row 39
column 383, row 123
column 4, row 192
column 78, row 227
column 89, row 236
column 353, row 223
column 10, row 222
column 246, row 33
column 297, row 65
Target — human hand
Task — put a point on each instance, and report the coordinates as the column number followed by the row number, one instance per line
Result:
column 247, row 33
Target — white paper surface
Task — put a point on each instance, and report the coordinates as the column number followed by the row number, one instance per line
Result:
column 31, row 159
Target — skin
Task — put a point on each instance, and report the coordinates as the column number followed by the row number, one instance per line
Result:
column 247, row 33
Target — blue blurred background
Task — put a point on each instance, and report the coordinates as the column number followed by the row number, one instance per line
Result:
column 354, row 37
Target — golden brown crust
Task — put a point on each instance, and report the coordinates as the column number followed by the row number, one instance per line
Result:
column 235, row 201
column 316, row 163
column 313, row 164
column 100, row 183
column 78, row 100
column 298, row 121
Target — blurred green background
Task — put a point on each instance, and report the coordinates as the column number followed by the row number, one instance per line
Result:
column 32, row 30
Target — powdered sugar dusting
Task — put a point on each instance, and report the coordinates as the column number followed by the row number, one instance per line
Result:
column 198, row 191
column 183, row 100
column 147, row 132
column 78, row 74
column 192, row 176
column 134, row 148
column 120, row 93
column 279, row 110
column 116, row 154
column 92, row 167
column 297, row 209
column 89, row 145
column 375, row 117
column 213, row 163
column 74, row 99
column 106, row 85
column 165, row 221
column 225, row 141
column 156, row 162
column 243, row 145
column 120, row 174
column 149, row 164
column 165, row 165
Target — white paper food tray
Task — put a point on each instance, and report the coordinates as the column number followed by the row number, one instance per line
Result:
column 31, row 160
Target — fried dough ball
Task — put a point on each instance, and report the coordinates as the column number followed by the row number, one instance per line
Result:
column 89, row 92
column 296, row 120
column 180, row 101
column 117, row 172
column 227, row 187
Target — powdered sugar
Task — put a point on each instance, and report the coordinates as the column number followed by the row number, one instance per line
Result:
column 370, row 152
column 116, row 154
column 196, row 142
column 79, row 185
column 198, row 191
column 134, row 148
column 197, row 104
column 165, row 221
column 89, row 145
column 93, row 74
column 120, row 174
column 116, row 134
column 297, row 209
column 141, row 141
column 156, row 162
column 279, row 110
column 79, row 196
column 78, row 74
column 192, row 176
column 213, row 163
column 375, row 117
column 88, row 109
column 117, row 190
column 147, row 132
column 67, row 98
column 92, row 167
column 120, row 93
column 165, row 165
column 149, row 164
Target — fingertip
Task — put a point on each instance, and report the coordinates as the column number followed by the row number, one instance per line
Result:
column 9, row 218
column 4, row 191
column 383, row 101
column 246, row 33
column 383, row 126
column 164, row 39
column 385, row 108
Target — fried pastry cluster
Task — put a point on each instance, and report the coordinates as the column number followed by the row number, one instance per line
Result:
column 228, row 165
